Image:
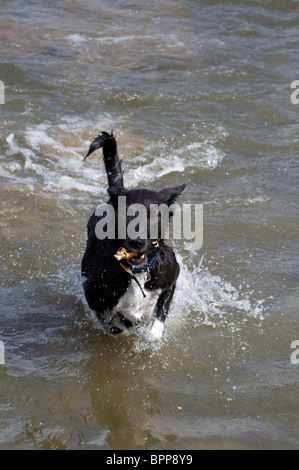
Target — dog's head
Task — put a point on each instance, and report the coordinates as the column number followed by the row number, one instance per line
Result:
column 141, row 219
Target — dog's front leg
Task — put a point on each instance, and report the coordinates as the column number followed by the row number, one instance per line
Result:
column 161, row 312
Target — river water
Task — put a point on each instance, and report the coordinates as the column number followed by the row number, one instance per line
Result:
column 197, row 92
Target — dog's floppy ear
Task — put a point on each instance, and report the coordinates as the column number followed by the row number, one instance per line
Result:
column 170, row 194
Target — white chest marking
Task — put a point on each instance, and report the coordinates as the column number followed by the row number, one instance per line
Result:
column 133, row 306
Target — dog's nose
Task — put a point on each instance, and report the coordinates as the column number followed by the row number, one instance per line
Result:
column 137, row 245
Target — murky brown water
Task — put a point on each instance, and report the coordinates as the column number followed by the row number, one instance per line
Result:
column 197, row 93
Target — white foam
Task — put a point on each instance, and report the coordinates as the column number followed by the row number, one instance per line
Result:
column 54, row 155
column 38, row 138
column 53, row 158
column 76, row 39
column 162, row 41
column 154, row 170
column 210, row 300
column 68, row 183
column 201, row 154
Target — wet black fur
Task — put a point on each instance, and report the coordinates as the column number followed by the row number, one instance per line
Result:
column 106, row 281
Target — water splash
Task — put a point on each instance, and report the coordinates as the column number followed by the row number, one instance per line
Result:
column 53, row 157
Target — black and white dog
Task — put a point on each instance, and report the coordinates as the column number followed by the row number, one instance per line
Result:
column 137, row 290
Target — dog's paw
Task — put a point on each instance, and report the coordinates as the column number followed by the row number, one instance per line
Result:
column 155, row 331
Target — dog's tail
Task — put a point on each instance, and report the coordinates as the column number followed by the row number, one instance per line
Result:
column 111, row 160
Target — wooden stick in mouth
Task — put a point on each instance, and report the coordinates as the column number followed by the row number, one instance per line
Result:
column 122, row 253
